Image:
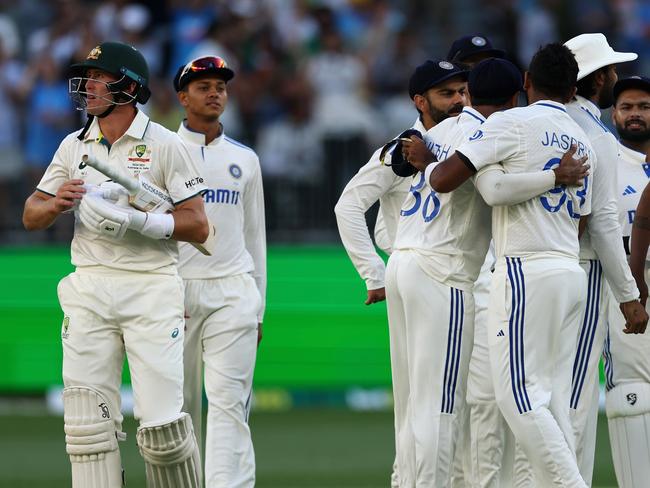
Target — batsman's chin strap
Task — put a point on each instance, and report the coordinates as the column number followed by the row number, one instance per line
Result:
column 91, row 117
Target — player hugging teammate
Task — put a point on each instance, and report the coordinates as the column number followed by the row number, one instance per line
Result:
column 503, row 391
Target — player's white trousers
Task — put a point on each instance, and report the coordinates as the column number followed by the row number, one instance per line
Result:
column 221, row 336
column 491, row 441
column 110, row 313
column 627, row 375
column 535, row 307
column 431, row 330
column 585, row 379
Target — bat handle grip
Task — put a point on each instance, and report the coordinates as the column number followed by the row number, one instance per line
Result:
column 131, row 184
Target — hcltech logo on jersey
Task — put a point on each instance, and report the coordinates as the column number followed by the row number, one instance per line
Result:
column 193, row 182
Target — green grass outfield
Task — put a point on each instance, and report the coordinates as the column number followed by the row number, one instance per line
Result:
column 303, row 448
column 317, row 331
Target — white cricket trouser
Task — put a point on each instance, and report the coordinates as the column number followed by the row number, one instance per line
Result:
column 627, row 356
column 535, row 307
column 491, row 441
column 108, row 313
column 431, row 330
column 627, row 374
column 221, row 335
column 585, row 381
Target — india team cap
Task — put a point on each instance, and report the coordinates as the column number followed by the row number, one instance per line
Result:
column 592, row 52
column 201, row 67
column 493, row 81
column 432, row 73
column 638, row 82
column 467, row 46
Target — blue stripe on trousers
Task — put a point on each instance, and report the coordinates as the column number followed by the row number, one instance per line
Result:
column 454, row 341
column 587, row 332
column 516, row 334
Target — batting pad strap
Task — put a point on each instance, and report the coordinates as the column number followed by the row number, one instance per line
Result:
column 90, row 439
column 627, row 400
column 170, row 453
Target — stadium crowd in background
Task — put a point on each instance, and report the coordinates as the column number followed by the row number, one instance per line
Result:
column 332, row 72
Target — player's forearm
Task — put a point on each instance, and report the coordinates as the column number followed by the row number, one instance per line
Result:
column 606, row 238
column 446, row 176
column 639, row 243
column 39, row 213
column 358, row 244
column 499, row 188
column 190, row 225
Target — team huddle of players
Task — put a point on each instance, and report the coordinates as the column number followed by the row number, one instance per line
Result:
column 507, row 225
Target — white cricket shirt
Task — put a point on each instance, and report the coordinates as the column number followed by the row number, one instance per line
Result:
column 373, row 182
column 448, row 233
column 146, row 146
column 632, row 174
column 527, row 139
column 234, row 202
column 602, row 240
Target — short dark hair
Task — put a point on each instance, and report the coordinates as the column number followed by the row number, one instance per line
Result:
column 554, row 71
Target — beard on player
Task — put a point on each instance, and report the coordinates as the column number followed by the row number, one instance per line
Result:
column 635, row 130
column 440, row 115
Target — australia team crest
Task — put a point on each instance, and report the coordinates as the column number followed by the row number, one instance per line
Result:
column 139, row 159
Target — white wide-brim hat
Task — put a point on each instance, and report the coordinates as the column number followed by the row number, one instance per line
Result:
column 592, row 52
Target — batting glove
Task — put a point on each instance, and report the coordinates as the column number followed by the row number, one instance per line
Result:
column 112, row 220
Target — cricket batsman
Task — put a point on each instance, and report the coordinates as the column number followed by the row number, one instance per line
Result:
column 125, row 295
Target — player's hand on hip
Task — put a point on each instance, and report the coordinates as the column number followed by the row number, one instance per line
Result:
column 571, row 171
column 68, row 195
column 636, row 318
column 374, row 296
column 416, row 152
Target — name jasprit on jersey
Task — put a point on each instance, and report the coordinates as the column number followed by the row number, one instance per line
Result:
column 562, row 141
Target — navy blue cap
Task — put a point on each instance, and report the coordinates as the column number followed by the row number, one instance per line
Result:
column 432, row 73
column 467, row 46
column 638, row 82
column 493, row 81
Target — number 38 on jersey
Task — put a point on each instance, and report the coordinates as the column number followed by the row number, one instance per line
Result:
column 429, row 208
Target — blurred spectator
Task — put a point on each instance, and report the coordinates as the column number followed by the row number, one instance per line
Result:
column 537, row 27
column 134, row 21
column 348, row 61
column 51, row 114
column 163, row 106
column 634, row 33
column 291, row 156
column 106, row 19
column 11, row 156
column 188, row 25
column 62, row 37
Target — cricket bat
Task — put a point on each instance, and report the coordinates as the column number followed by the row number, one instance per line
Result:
column 146, row 196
